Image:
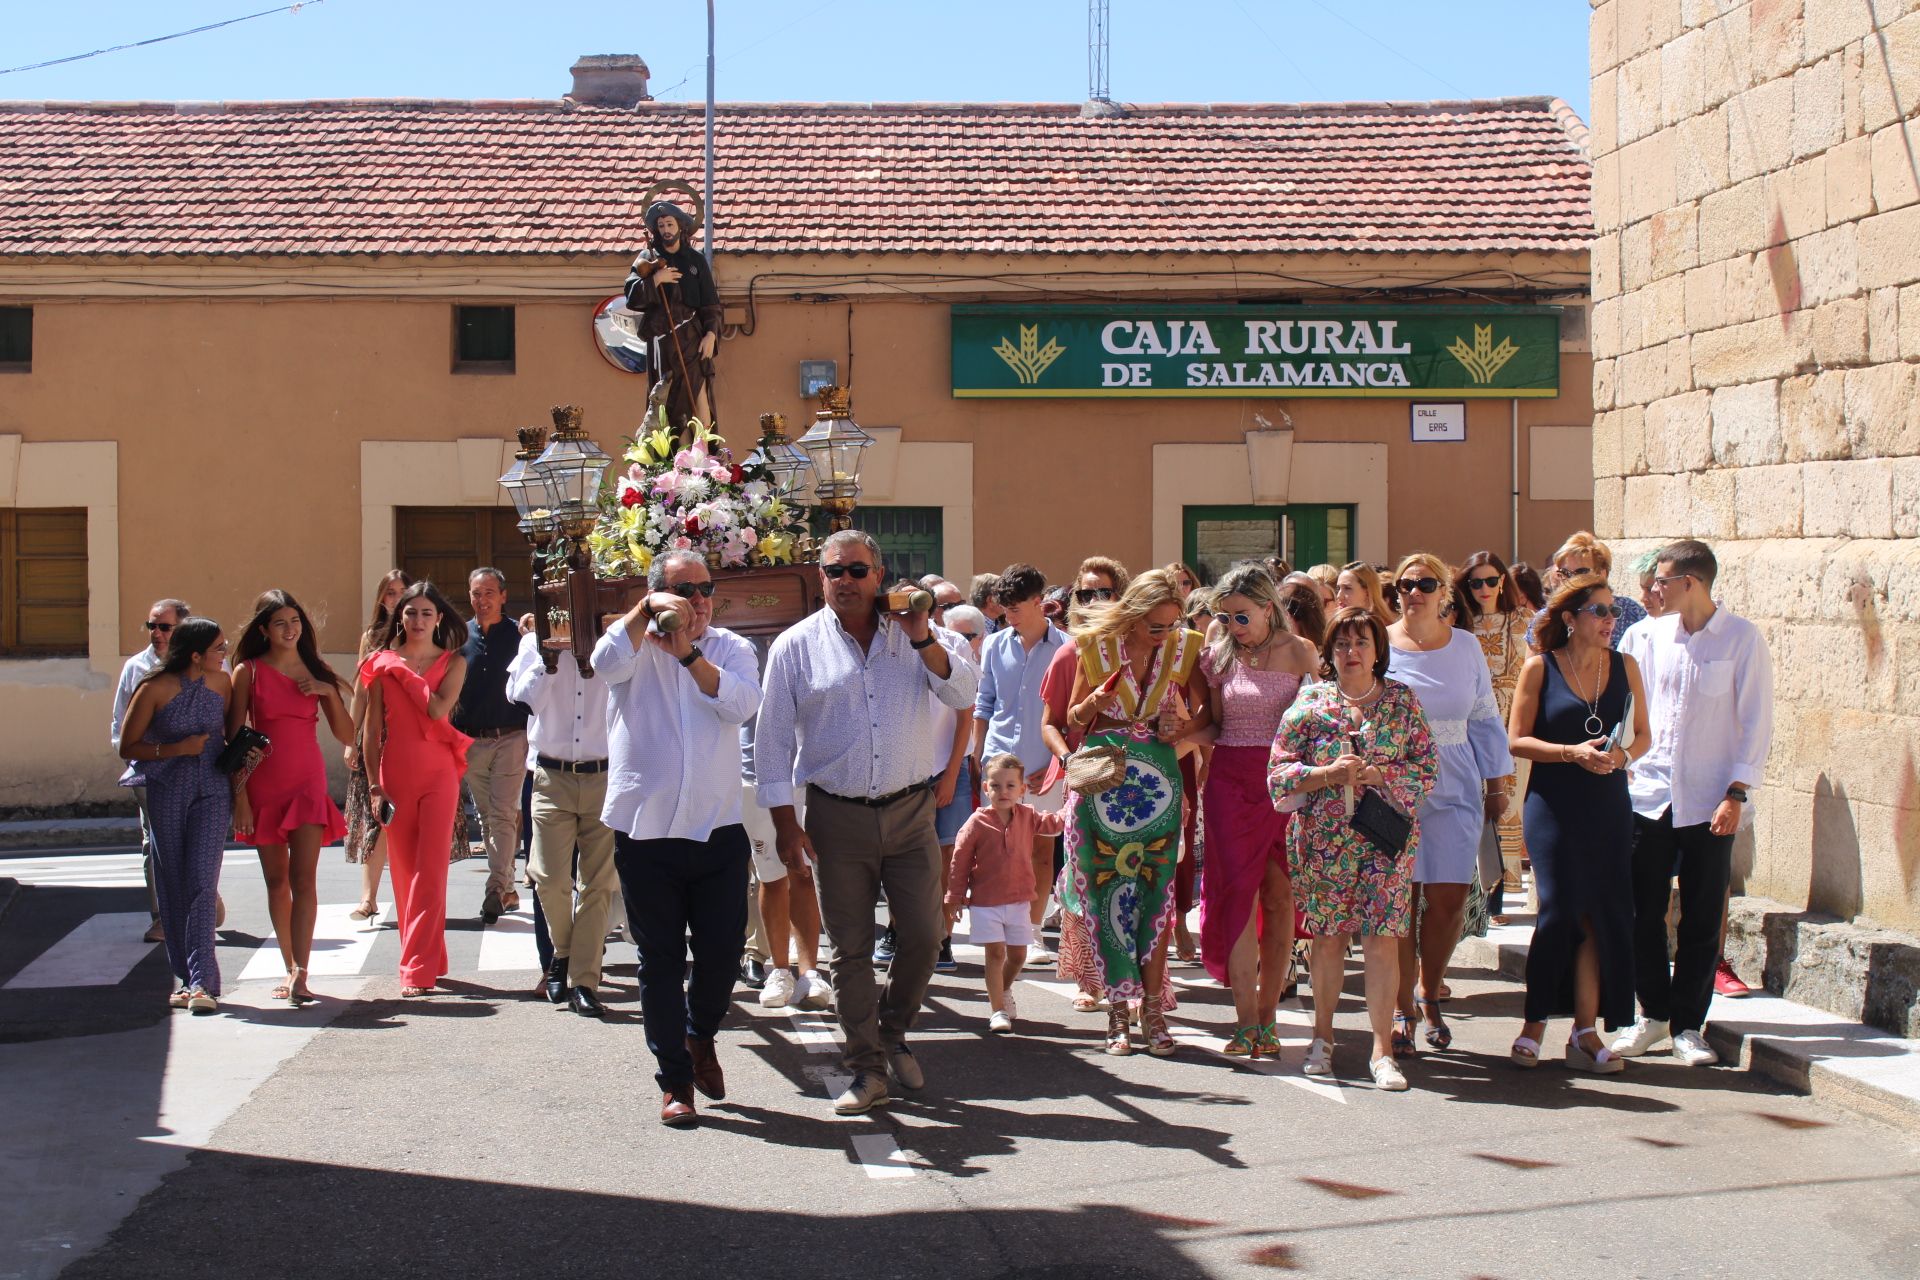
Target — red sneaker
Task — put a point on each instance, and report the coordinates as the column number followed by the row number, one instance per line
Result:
column 1727, row 983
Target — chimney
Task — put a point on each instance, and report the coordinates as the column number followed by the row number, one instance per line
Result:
column 610, row 80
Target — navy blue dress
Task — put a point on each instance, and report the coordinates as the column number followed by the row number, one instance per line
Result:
column 1579, row 829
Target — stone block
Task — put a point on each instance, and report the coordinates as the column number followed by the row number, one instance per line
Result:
column 1646, row 176
column 1798, row 195
column 1818, row 122
column 1883, row 420
column 1608, row 492
column 1607, row 457
column 1774, row 35
column 1637, row 102
column 1605, row 331
column 1766, row 502
column 1603, row 42
column 1827, row 264
column 1849, row 175
column 1700, row 155
column 1906, row 521
column 1603, row 389
column 1710, row 504
column 1734, row 221
column 1893, row 178
column 1728, row 66
column 1760, row 130
column 1641, row 376
column 1899, row 311
column 1746, row 425
column 1679, row 432
column 1851, row 111
column 1889, row 247
column 1606, row 192
column 1813, row 423
column 1707, row 297
column 1656, row 507
column 1603, row 261
column 1899, row 65
column 1633, row 441
column 1743, row 353
column 1858, row 971
column 1851, row 499
column 1682, row 77
column 1663, row 310
column 1831, row 24
column 1840, row 333
column 1604, row 129
column 1674, row 240
column 1636, row 255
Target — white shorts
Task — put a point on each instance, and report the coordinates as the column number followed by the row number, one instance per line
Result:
column 767, row 867
column 1011, row 924
column 1049, row 801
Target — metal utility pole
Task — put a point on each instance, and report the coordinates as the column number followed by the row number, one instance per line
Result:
column 1097, row 51
column 707, row 246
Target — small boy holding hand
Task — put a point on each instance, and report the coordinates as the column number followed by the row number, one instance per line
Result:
column 992, row 877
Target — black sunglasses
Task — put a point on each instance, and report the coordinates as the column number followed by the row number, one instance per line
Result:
column 1601, row 610
column 1087, row 595
column 1487, row 583
column 854, row 571
column 1425, row 586
column 688, row 590
column 159, row 626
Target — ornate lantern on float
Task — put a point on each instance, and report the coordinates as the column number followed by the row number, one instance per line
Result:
column 786, row 463
column 528, row 488
column 836, row 446
column 572, row 467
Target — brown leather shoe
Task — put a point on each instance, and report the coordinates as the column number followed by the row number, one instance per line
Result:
column 676, row 1108
column 707, row 1076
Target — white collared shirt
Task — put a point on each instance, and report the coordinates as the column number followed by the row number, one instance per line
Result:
column 569, row 713
column 1709, row 710
column 131, row 675
column 854, row 724
column 674, row 752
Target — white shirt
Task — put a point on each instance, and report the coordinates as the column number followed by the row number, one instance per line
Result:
column 569, row 713
column 675, row 752
column 131, row 675
column 1710, row 712
column 855, row 724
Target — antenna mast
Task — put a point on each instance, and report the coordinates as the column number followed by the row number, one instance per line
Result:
column 1097, row 89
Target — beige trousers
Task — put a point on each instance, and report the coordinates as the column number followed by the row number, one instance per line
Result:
column 566, row 812
column 495, row 769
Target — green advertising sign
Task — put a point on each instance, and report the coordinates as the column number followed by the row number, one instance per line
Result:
column 1147, row 350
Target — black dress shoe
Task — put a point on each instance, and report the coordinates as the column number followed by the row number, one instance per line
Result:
column 557, row 980
column 676, row 1108
column 753, row 973
column 490, row 907
column 707, row 1076
column 586, row 1004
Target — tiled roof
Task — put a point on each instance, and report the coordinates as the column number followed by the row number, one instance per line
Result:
column 429, row 177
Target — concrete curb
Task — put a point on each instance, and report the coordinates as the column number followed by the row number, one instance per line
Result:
column 1865, row 1070
column 62, row 833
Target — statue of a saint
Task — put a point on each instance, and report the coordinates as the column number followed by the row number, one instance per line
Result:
column 671, row 287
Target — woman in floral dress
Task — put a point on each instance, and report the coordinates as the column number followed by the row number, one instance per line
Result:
column 1352, row 731
column 1500, row 622
column 1137, row 680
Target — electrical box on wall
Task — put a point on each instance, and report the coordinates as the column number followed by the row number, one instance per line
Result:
column 817, row 374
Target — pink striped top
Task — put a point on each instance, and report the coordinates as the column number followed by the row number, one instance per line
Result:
column 1248, row 704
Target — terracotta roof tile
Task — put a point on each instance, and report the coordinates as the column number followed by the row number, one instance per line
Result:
column 431, row 177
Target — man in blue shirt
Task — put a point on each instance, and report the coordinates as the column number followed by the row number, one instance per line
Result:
column 1008, row 711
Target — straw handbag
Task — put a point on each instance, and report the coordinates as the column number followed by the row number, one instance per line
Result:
column 1094, row 769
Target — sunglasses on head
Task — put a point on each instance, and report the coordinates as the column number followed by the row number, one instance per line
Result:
column 1601, row 610
column 159, row 626
column 839, row 571
column 1425, row 586
column 1239, row 619
column 688, row 590
column 1484, row 584
column 1087, row 595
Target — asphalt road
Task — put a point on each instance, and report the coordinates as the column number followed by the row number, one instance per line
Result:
column 484, row 1133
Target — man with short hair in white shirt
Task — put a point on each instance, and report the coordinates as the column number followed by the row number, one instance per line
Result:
column 567, row 737
column 847, row 716
column 678, row 700
column 161, row 620
column 1709, row 683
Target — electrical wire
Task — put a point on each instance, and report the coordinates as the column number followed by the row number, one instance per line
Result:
column 1389, row 48
column 141, row 44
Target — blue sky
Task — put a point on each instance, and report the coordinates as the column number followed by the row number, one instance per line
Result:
column 810, row 50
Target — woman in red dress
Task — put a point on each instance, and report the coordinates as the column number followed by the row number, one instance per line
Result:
column 415, row 760
column 281, row 684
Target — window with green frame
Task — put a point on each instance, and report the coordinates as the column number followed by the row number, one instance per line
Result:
column 910, row 537
column 1305, row 533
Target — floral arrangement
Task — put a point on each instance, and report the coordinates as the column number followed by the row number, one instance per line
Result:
column 691, row 498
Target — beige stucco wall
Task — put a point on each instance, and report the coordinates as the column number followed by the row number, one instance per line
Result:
column 1756, row 283
column 256, row 424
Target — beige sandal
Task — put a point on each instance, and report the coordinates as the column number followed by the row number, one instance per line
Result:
column 1119, row 1043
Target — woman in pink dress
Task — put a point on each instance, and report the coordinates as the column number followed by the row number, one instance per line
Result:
column 1256, row 666
column 281, row 685
column 415, row 760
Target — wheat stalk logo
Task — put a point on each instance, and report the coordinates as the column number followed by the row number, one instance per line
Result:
column 1482, row 360
column 1029, row 360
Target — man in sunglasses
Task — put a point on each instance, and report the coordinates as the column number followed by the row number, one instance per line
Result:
column 1709, row 682
column 161, row 620
column 676, row 701
column 847, row 716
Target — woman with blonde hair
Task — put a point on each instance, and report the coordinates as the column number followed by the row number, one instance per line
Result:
column 1255, row 667
column 1446, row 670
column 1357, row 586
column 1138, row 693
column 1582, row 553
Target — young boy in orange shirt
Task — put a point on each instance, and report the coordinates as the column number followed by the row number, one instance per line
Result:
column 992, row 877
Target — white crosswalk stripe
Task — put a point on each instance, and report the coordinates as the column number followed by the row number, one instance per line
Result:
column 508, row 943
column 341, row 946
column 99, row 952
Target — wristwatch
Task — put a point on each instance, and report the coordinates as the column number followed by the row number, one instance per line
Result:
column 922, row 644
column 1737, row 792
column 693, row 655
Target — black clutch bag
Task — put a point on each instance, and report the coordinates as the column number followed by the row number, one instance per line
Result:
column 1381, row 823
column 245, row 741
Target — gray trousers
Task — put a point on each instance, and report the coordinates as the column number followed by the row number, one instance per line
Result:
column 146, row 851
column 861, row 850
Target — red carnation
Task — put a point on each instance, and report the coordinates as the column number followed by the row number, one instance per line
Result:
column 631, row 498
column 692, row 526
column 738, row 473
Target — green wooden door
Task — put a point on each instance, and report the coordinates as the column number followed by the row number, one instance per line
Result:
column 1306, row 534
column 910, row 537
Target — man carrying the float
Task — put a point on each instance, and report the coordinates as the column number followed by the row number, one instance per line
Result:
column 671, row 288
